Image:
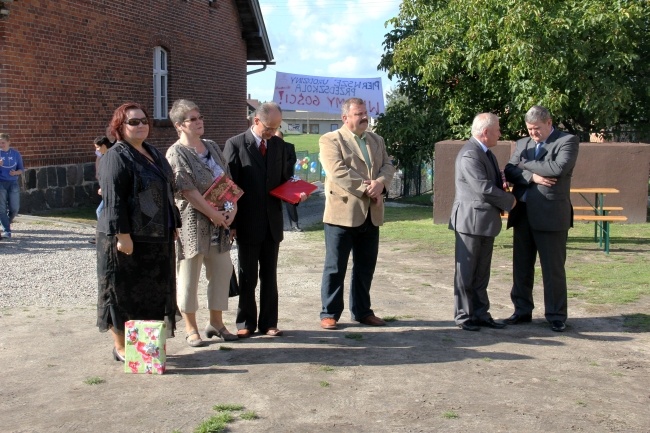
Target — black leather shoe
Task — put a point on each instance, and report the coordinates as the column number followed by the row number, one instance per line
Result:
column 468, row 326
column 490, row 323
column 557, row 325
column 516, row 319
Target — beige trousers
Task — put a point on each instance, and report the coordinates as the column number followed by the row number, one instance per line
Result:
column 218, row 269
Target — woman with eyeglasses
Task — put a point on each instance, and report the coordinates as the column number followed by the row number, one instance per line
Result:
column 204, row 235
column 136, row 230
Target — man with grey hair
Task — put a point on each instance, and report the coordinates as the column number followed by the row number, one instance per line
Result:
column 540, row 170
column 476, row 221
column 257, row 161
column 358, row 172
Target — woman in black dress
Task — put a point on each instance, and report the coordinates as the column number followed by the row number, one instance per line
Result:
column 135, row 230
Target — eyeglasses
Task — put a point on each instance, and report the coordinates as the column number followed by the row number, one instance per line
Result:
column 136, row 122
column 193, row 119
column 267, row 129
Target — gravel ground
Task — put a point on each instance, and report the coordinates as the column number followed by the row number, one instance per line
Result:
column 50, row 263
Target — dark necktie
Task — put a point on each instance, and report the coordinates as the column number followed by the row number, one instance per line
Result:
column 263, row 147
column 539, row 148
column 498, row 181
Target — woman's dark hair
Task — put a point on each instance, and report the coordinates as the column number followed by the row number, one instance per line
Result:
column 119, row 117
column 103, row 141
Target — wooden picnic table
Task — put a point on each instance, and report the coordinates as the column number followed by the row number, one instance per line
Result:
column 600, row 218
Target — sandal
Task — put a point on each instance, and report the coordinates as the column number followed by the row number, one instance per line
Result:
column 196, row 342
column 223, row 333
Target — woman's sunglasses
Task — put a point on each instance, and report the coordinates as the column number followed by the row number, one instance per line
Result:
column 136, row 122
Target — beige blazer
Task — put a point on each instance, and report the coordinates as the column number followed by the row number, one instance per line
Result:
column 345, row 170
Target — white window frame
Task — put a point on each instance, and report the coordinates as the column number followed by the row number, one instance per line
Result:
column 160, row 83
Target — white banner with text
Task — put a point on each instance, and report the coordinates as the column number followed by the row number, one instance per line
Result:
column 326, row 94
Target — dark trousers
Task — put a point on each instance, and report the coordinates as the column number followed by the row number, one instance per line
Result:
column 551, row 247
column 363, row 242
column 471, row 277
column 292, row 211
column 250, row 255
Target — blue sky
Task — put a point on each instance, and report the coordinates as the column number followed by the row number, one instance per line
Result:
column 332, row 38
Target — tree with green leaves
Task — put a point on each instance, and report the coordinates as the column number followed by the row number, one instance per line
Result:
column 587, row 61
column 410, row 132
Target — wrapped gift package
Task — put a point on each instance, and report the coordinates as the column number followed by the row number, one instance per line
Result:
column 145, row 346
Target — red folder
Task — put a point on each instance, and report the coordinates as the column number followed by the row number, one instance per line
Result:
column 291, row 189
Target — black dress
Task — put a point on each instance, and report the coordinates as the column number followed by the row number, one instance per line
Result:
column 138, row 200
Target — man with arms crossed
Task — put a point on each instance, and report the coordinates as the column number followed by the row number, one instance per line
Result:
column 358, row 171
column 540, row 169
column 476, row 220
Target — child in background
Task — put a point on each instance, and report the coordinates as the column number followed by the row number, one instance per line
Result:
column 11, row 166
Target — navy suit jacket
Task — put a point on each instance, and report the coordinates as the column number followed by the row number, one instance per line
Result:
column 548, row 208
column 259, row 214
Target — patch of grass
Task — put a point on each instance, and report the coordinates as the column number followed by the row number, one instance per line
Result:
column 487, row 359
column 227, row 407
column 248, row 415
column 51, row 365
column 421, row 200
column 450, row 414
column 390, row 318
column 324, row 384
column 448, row 339
column 581, row 403
column 83, row 215
column 215, row 424
column 354, row 336
column 594, row 364
column 304, row 142
column 617, row 374
column 637, row 322
column 176, row 431
column 326, row 368
column 225, row 348
column 31, row 316
column 95, row 380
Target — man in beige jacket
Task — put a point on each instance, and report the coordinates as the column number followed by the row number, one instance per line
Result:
column 358, row 172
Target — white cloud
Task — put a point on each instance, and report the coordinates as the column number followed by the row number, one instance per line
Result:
column 325, row 37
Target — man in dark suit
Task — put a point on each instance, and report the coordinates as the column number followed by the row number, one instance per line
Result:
column 257, row 160
column 540, row 169
column 476, row 220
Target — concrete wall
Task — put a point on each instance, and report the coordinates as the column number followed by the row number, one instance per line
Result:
column 624, row 166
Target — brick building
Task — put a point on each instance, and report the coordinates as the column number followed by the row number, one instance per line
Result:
column 66, row 65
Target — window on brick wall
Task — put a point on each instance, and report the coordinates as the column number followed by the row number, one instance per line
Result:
column 160, row 74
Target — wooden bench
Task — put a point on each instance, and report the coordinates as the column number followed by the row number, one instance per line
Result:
column 601, row 227
column 603, row 223
column 605, row 208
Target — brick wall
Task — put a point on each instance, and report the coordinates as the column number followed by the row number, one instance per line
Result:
column 66, row 65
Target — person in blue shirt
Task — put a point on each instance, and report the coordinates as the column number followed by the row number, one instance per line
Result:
column 11, row 166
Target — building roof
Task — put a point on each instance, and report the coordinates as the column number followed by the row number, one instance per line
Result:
column 258, row 47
